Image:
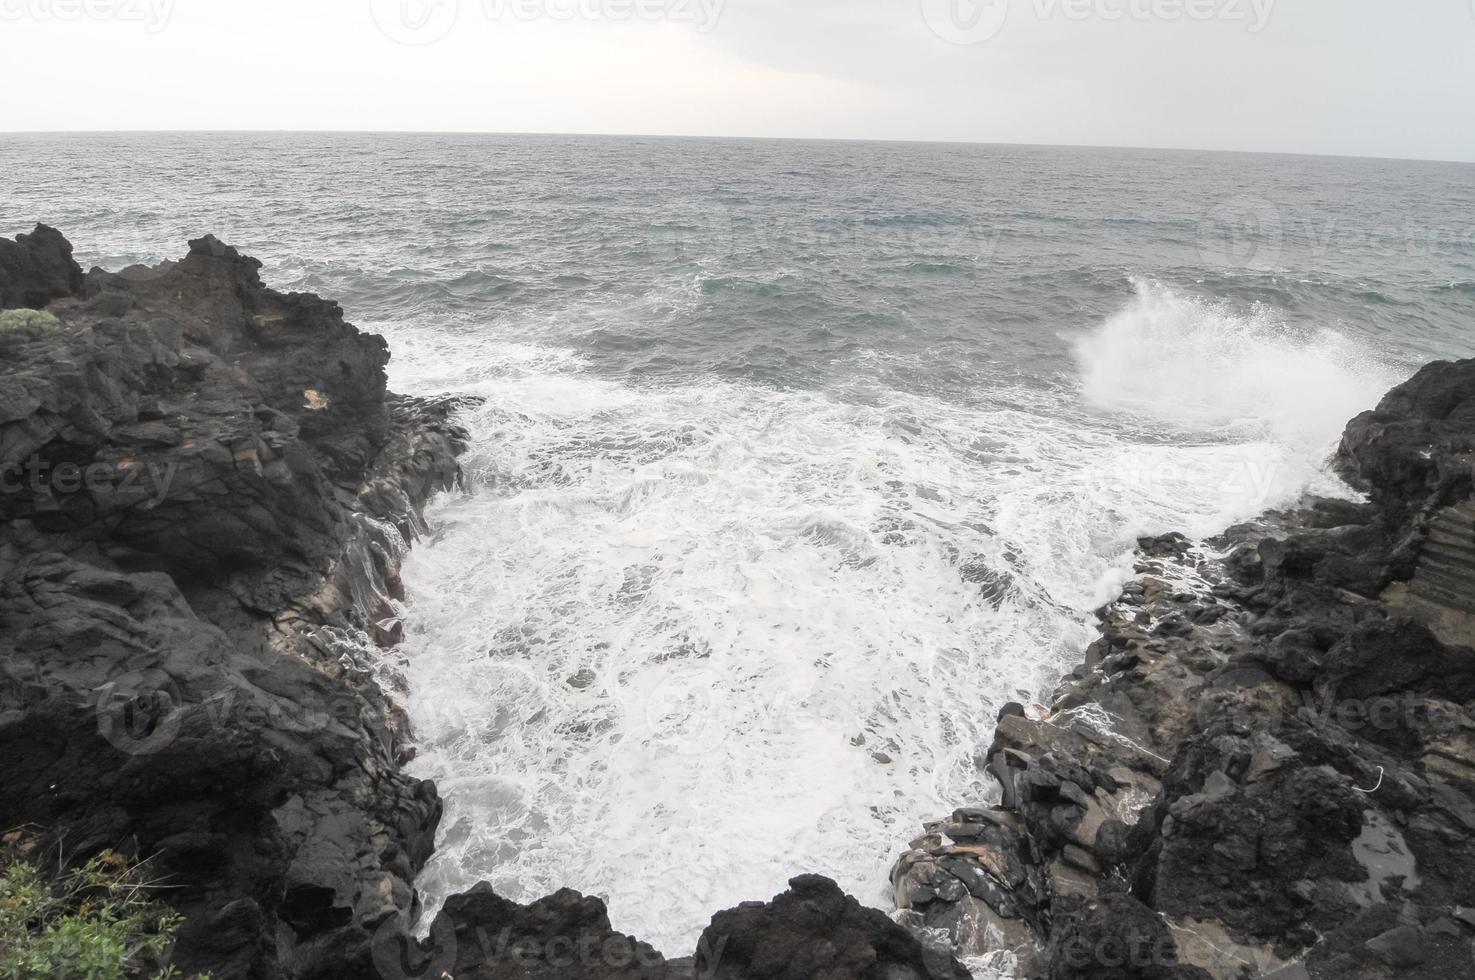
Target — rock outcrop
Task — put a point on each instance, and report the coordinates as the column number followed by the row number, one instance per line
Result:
column 815, row 930
column 36, row 269
column 206, row 491
column 1266, row 765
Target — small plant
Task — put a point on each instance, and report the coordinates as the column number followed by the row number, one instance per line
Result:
column 31, row 321
column 96, row 922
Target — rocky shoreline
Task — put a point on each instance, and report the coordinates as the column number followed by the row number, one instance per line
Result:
column 207, row 490
column 1265, row 766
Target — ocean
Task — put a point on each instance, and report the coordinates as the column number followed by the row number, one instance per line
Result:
column 796, row 460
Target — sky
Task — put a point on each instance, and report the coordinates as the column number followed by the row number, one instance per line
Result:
column 1348, row 77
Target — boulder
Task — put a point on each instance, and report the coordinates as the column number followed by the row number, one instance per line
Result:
column 814, row 931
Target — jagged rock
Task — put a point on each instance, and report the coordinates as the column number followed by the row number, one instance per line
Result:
column 814, row 930
column 36, row 269
column 1115, row 938
column 202, row 481
column 1417, row 446
column 480, row 936
column 1275, row 777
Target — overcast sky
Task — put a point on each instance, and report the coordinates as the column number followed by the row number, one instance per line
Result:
column 1364, row 77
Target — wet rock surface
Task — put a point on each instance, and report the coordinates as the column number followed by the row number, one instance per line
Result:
column 206, row 490
column 1265, row 767
column 205, row 493
column 815, row 930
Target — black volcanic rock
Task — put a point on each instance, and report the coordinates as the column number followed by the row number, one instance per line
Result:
column 205, row 489
column 200, row 480
column 1265, row 767
column 566, row 936
column 814, row 931
column 36, row 269
column 1417, row 447
column 1117, row 938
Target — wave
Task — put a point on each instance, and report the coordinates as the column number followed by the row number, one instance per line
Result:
column 655, row 597
column 657, row 601
column 1209, row 369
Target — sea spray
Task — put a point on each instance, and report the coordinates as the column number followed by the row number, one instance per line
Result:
column 1207, row 367
column 679, row 642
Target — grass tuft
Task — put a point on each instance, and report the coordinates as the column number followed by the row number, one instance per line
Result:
column 96, row 922
column 32, row 321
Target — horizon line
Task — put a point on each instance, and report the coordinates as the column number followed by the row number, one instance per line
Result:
column 706, row 136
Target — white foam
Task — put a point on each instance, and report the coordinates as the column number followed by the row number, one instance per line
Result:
column 791, row 618
column 1203, row 366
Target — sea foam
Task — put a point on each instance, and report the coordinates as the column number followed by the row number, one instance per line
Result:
column 679, row 642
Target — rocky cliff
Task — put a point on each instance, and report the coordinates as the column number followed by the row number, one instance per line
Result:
column 205, row 493
column 1266, row 765
column 206, row 488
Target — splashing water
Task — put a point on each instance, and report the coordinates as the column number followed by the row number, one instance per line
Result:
column 787, row 477
column 1202, row 366
column 680, row 642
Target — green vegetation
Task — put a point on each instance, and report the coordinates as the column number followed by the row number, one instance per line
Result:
column 96, row 922
column 34, row 321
